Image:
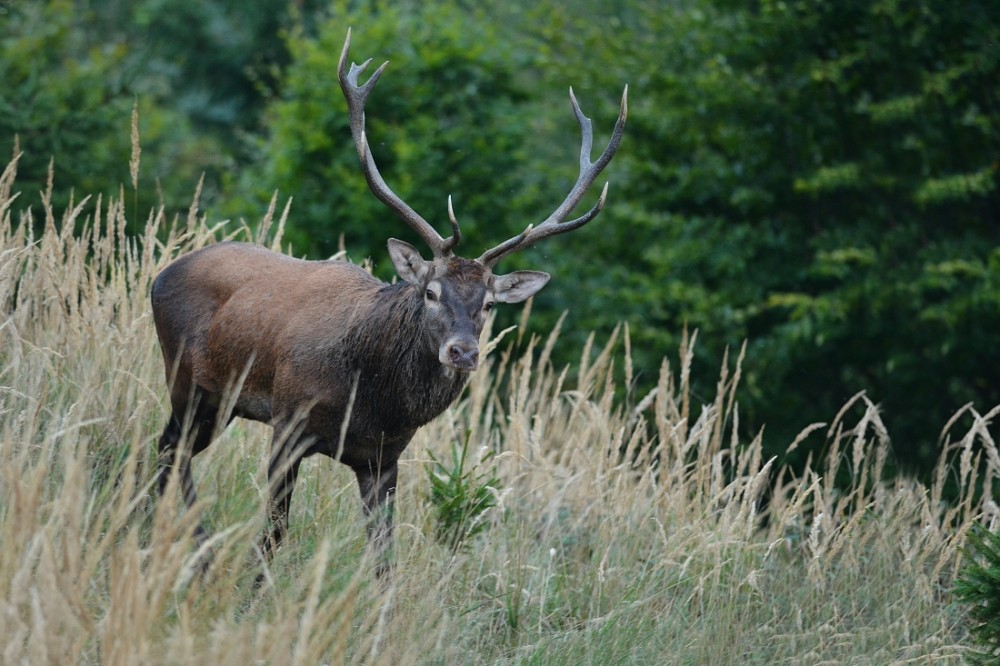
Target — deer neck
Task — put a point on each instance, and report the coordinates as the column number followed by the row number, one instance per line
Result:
column 400, row 374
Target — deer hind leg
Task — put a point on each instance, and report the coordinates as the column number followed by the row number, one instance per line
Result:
column 182, row 439
column 377, row 483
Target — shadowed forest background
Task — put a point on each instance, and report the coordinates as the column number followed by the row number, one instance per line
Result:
column 818, row 179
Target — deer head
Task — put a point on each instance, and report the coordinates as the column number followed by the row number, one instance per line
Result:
column 459, row 292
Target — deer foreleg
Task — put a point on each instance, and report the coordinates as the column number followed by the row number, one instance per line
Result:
column 378, row 490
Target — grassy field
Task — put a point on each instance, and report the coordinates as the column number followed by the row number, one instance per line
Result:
column 627, row 531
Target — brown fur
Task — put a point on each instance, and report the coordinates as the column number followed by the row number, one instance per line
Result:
column 304, row 335
column 312, row 346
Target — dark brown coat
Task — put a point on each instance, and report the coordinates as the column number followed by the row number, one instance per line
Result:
column 339, row 362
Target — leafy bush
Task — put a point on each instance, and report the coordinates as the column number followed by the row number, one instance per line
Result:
column 461, row 495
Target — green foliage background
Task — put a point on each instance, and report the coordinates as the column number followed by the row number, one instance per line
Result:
column 819, row 179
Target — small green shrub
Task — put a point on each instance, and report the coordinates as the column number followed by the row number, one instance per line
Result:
column 461, row 496
column 978, row 585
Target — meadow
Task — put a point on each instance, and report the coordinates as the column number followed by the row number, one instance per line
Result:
column 625, row 528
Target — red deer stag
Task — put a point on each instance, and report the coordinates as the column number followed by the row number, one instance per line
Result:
column 337, row 361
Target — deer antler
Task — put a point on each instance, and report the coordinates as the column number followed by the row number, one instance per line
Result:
column 356, row 96
column 554, row 224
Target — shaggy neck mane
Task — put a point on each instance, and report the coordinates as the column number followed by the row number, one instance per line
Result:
column 401, row 379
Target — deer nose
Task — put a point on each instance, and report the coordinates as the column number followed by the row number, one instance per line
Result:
column 460, row 354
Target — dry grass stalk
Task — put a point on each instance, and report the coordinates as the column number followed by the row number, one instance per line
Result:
column 625, row 533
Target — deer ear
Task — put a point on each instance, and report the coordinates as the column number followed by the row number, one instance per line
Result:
column 408, row 263
column 518, row 286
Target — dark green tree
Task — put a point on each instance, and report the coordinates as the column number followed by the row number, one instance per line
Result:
column 63, row 100
column 817, row 178
column 446, row 118
column 199, row 72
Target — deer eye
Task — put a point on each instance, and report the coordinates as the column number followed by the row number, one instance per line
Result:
column 487, row 306
column 430, row 295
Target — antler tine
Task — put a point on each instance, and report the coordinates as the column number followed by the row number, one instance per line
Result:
column 356, row 96
column 589, row 171
column 456, row 233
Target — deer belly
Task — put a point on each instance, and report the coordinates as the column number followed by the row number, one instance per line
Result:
column 253, row 407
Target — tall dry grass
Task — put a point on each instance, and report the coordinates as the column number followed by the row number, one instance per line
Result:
column 628, row 531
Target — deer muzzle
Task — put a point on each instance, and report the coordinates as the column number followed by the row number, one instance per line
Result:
column 460, row 353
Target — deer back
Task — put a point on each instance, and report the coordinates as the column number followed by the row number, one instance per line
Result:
column 295, row 334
